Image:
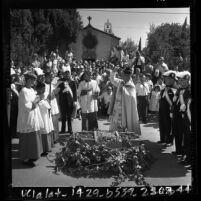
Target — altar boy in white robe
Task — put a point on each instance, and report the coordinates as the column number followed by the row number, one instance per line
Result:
column 48, row 130
column 50, row 94
column 124, row 113
column 29, row 122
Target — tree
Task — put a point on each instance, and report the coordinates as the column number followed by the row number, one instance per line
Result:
column 65, row 23
column 129, row 45
column 20, row 34
column 37, row 30
column 169, row 41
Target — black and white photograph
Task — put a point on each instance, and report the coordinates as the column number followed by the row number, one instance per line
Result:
column 100, row 97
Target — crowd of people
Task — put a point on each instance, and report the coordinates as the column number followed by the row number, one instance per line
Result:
column 127, row 92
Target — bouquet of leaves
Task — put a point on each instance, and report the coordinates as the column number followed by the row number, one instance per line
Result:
column 78, row 159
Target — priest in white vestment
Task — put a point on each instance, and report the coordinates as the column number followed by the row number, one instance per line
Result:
column 124, row 112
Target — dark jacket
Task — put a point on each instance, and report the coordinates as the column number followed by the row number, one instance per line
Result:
column 163, row 104
column 66, row 98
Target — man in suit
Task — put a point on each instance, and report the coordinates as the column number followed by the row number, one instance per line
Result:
column 165, row 104
column 67, row 99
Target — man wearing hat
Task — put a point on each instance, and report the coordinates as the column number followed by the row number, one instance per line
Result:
column 123, row 108
column 67, row 99
column 165, row 104
column 162, row 66
column 184, row 126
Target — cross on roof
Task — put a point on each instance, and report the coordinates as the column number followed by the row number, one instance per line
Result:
column 89, row 18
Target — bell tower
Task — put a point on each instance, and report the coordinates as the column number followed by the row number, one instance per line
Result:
column 108, row 27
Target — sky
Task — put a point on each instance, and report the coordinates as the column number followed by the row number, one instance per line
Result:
column 134, row 22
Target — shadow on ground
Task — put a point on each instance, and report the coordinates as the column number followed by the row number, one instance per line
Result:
column 165, row 164
column 16, row 162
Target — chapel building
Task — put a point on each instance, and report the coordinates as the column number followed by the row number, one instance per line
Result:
column 93, row 43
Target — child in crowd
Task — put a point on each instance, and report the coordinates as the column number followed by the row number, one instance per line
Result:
column 154, row 100
column 48, row 130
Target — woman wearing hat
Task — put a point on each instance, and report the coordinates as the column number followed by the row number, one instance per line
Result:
column 124, row 106
column 29, row 122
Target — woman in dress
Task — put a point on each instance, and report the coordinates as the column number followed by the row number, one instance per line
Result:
column 29, row 122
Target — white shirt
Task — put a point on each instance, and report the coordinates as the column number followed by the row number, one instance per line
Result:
column 142, row 90
column 87, row 103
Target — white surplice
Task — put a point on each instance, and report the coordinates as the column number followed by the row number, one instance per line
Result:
column 29, row 120
column 87, row 103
